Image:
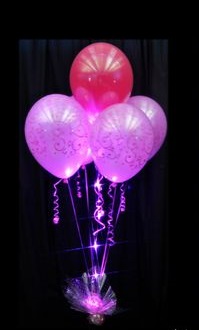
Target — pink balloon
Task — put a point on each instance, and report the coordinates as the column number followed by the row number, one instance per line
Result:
column 121, row 140
column 157, row 117
column 100, row 75
column 56, row 131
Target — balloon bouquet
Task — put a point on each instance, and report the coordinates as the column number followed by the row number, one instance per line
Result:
column 100, row 123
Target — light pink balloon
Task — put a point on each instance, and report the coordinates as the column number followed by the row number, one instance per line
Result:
column 157, row 117
column 121, row 141
column 56, row 131
column 88, row 158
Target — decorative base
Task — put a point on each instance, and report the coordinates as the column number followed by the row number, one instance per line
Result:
column 92, row 295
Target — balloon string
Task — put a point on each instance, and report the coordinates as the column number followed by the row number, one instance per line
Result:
column 77, row 224
column 87, row 193
column 122, row 198
column 99, row 212
column 122, row 206
column 56, row 203
column 110, row 233
column 79, row 193
column 93, row 246
column 105, row 258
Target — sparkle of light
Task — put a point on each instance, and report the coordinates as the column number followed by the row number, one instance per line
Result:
column 95, row 245
column 100, row 214
column 98, row 185
column 68, row 172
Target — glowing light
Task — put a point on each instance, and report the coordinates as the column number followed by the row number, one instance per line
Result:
column 100, row 214
column 55, row 220
column 98, row 185
column 88, row 247
column 92, row 114
column 93, row 303
column 68, row 172
column 56, row 203
column 95, row 275
column 114, row 178
column 95, row 245
column 88, row 298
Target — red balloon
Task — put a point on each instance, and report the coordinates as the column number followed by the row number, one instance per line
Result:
column 100, row 75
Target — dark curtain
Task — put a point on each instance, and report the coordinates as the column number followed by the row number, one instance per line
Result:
column 141, row 265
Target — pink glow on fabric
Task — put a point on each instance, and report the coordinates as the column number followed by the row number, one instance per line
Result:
column 56, row 131
column 157, row 117
column 100, row 75
column 121, row 141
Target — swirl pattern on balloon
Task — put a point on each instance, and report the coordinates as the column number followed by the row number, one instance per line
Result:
column 56, row 131
column 157, row 118
column 121, row 141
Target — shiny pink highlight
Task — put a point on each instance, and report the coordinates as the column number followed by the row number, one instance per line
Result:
column 93, row 303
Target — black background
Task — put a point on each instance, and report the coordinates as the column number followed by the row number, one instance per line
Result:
column 160, row 287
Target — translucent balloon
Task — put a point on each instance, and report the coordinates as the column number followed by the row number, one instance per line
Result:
column 100, row 75
column 88, row 158
column 56, row 131
column 121, row 141
column 157, row 117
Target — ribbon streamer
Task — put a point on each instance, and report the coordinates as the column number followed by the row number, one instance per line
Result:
column 122, row 198
column 77, row 224
column 79, row 193
column 99, row 212
column 110, row 232
column 56, row 204
column 122, row 206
